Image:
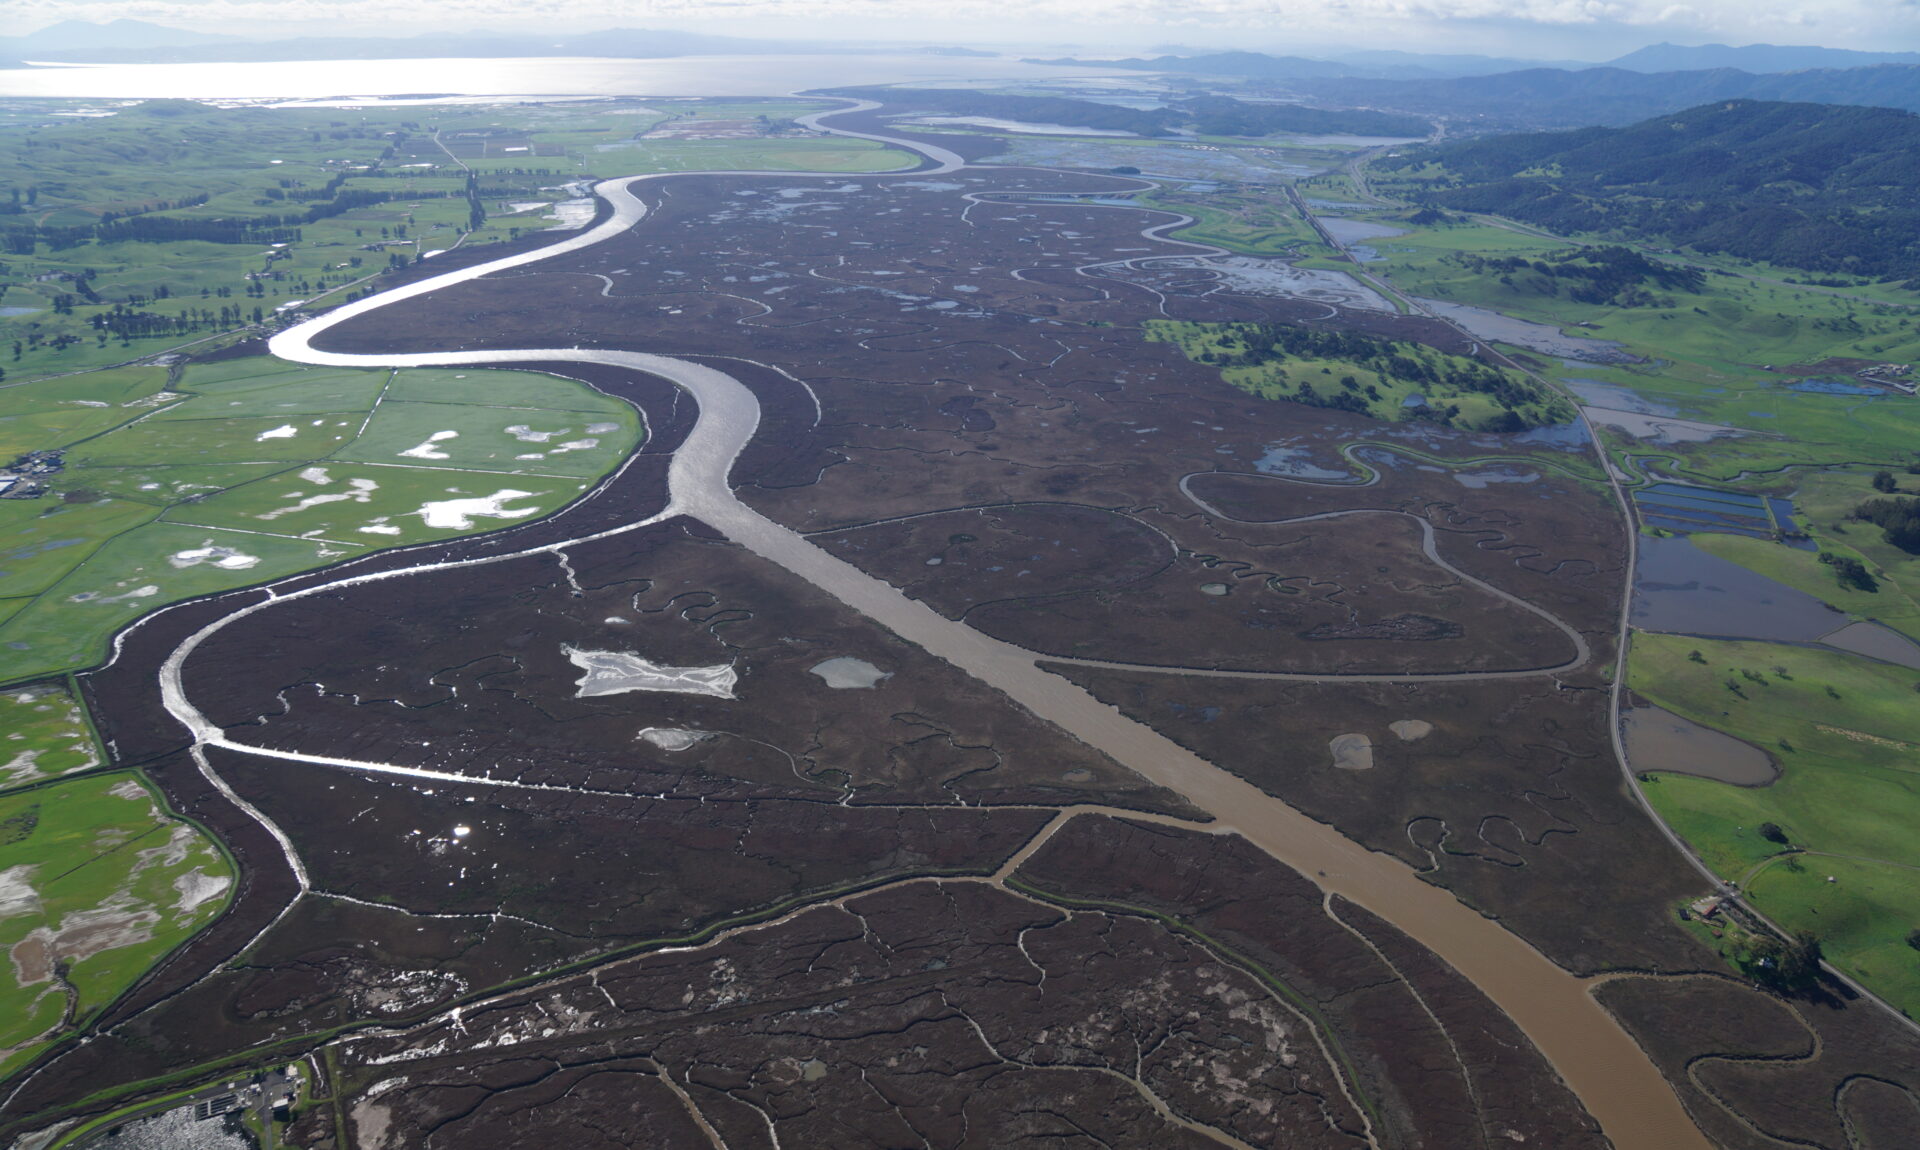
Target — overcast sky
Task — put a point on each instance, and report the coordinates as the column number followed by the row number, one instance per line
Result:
column 1575, row 29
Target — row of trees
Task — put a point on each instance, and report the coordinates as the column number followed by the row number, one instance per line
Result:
column 121, row 322
column 23, row 237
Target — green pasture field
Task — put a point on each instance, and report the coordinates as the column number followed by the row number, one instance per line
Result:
column 129, row 575
column 42, row 734
column 194, row 440
column 1850, row 781
column 365, row 505
column 514, row 440
column 1283, row 376
column 105, row 846
column 1253, row 223
column 238, row 391
column 188, row 500
column 1824, row 501
column 502, row 389
column 74, row 407
column 41, row 541
column 1730, row 322
column 147, row 159
column 1707, row 353
column 163, row 484
column 1862, row 917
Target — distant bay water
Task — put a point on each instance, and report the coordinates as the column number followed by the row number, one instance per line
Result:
column 423, row 80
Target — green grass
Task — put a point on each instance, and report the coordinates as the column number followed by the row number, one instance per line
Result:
column 42, row 734
column 68, row 626
column 1382, row 394
column 1706, row 351
column 1862, row 917
column 127, row 521
column 41, row 540
column 1253, row 223
column 1850, row 782
column 148, row 162
column 188, row 439
column 100, row 849
column 1825, row 500
column 71, row 408
column 365, row 505
column 276, row 394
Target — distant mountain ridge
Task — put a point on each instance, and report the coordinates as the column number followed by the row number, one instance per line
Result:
column 69, row 35
column 1551, row 98
column 1432, row 65
column 1753, row 58
column 1803, row 185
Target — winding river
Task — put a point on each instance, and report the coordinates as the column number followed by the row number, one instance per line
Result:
column 1593, row 1054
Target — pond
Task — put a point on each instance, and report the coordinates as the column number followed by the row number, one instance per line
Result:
column 1540, row 337
column 1682, row 589
column 1358, row 231
column 1295, row 462
column 1876, row 641
column 846, row 673
column 1659, row 740
column 1615, row 397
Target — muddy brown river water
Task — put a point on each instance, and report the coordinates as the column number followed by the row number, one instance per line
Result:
column 1593, row 1054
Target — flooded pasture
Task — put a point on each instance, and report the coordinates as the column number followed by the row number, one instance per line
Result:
column 1660, row 428
column 1540, row 337
column 1681, row 589
column 1349, row 231
column 1876, row 641
column 1256, row 276
column 1659, row 740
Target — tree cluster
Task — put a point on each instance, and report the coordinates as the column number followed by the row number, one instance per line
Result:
column 1610, row 275
column 1850, row 572
column 1897, row 517
column 1789, row 967
column 1261, row 344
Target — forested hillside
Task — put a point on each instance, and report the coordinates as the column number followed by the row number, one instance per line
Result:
column 1804, row 185
column 1557, row 98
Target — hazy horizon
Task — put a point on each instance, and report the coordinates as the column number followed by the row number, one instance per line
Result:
column 1586, row 30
